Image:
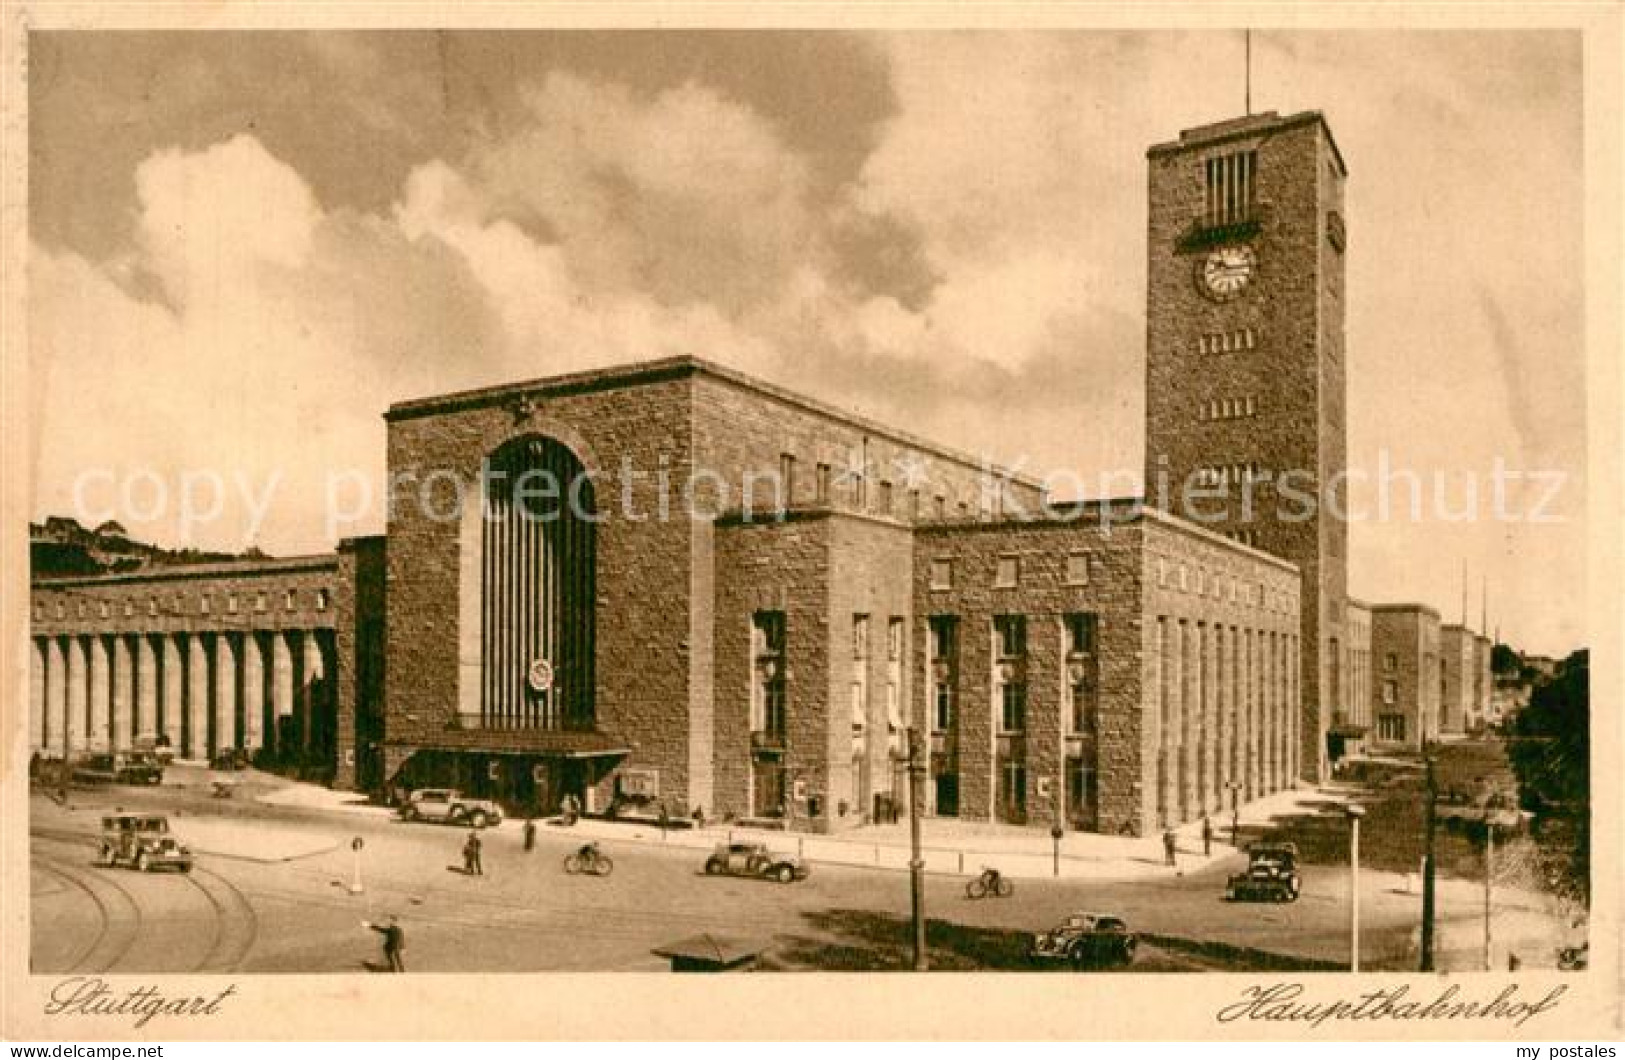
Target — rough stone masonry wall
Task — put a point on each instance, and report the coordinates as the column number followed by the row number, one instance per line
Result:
column 358, row 606
column 1456, row 652
column 1227, row 679
column 1294, row 373
column 871, row 573
column 1411, row 635
column 771, row 567
column 626, row 437
column 1044, row 595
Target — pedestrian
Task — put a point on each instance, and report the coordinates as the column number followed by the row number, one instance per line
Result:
column 394, row 941
column 665, row 820
column 471, row 855
column 1170, row 846
column 1207, row 836
column 530, row 833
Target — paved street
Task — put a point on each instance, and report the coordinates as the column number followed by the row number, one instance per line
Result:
column 260, row 904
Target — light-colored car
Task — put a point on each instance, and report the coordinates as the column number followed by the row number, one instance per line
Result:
column 141, row 841
column 450, row 806
column 754, row 859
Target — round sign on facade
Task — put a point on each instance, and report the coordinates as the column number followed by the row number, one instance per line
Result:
column 540, row 675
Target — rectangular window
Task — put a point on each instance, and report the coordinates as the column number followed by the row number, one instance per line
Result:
column 204, row 603
column 860, row 636
column 1390, row 691
column 1080, row 634
column 1077, row 568
column 787, row 478
column 129, row 608
column 768, row 688
column 259, row 601
column 321, row 600
column 942, row 574
column 231, row 603
column 1230, row 188
column 1390, row 661
column 152, row 606
column 894, row 639
column 1013, row 707
column 1010, row 636
column 941, row 506
column 885, row 498
column 291, row 600
column 823, row 484
column 944, row 650
column 1008, row 572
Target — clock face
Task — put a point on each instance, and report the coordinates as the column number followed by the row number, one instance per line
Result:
column 1226, row 271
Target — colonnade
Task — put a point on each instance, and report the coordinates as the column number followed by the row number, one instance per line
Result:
column 198, row 693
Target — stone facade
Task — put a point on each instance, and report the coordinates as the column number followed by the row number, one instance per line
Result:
column 1352, row 719
column 1458, row 652
column 1405, row 693
column 1245, row 393
column 198, row 659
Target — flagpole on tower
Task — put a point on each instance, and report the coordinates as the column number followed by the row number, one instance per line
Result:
column 1247, row 36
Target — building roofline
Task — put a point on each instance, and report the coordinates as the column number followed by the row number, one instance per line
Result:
column 644, row 373
column 1135, row 511
column 1406, row 607
column 1244, row 127
column 232, row 568
column 739, row 518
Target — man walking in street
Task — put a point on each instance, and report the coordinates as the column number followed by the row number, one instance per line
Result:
column 394, row 941
column 1207, row 836
column 1170, row 846
column 471, row 855
column 530, row 833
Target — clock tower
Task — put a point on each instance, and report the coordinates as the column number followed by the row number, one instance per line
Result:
column 1245, row 385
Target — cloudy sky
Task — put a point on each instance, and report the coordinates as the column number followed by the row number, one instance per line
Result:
column 245, row 246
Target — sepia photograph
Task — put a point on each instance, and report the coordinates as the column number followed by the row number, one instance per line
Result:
column 1092, row 503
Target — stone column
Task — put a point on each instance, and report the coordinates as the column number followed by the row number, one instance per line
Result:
column 36, row 695
column 310, row 671
column 1189, row 713
column 78, row 696
column 121, row 730
column 174, row 691
column 101, row 696
column 146, row 689
column 225, row 693
column 56, row 695
column 253, row 693
column 281, row 686
column 197, row 698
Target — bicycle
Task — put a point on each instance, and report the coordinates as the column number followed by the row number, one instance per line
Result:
column 589, row 860
column 991, row 881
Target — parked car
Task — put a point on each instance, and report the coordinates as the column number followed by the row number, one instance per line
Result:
column 450, row 806
column 1271, row 875
column 754, row 859
column 1086, row 940
column 141, row 841
column 119, row 768
column 231, row 759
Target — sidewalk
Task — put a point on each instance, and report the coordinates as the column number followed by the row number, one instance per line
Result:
column 950, row 846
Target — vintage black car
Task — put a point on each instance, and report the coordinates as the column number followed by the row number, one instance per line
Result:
column 1086, row 940
column 136, row 767
column 1271, row 875
column 754, row 859
column 143, row 842
column 230, row 759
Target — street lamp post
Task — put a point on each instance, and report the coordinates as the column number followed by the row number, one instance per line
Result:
column 916, row 861
column 1235, row 813
column 1355, row 812
column 1428, row 872
column 1489, row 870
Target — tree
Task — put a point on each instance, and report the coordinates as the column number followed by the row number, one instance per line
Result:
column 1504, row 660
column 1549, row 745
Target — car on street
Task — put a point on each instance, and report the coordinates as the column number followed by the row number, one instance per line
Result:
column 134, row 767
column 231, row 759
column 450, row 806
column 141, row 841
column 1086, row 940
column 1271, row 875
column 754, row 859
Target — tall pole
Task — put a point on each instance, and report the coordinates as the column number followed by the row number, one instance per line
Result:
column 1248, row 37
column 1489, row 869
column 1428, row 900
column 916, row 861
column 1354, row 814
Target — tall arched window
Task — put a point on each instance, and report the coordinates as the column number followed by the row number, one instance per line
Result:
column 537, row 588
